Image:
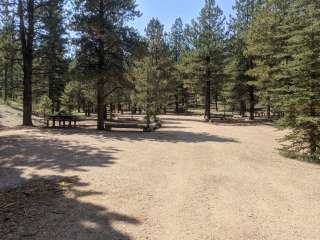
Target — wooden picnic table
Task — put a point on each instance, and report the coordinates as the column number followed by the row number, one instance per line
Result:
column 62, row 120
column 220, row 116
column 143, row 126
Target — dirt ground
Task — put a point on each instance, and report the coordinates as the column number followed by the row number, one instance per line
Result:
column 191, row 180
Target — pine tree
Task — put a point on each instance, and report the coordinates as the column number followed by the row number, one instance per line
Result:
column 265, row 46
column 177, row 46
column 104, row 42
column 52, row 50
column 158, row 68
column 8, row 48
column 301, row 100
column 27, row 25
column 242, row 90
column 207, row 37
column 283, row 41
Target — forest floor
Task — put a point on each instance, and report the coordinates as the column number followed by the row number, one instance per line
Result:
column 190, row 180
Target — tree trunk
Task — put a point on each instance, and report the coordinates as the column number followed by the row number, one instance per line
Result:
column 268, row 108
column 252, row 102
column 10, row 90
column 27, row 38
column 105, row 112
column 88, row 109
column 208, row 91
column 176, row 103
column 134, row 109
column 148, row 119
column 184, row 97
column 216, row 101
column 242, row 108
column 119, row 108
column 5, row 97
column 101, row 81
column 27, row 92
column 111, row 111
column 51, row 77
column 208, row 101
column 100, row 105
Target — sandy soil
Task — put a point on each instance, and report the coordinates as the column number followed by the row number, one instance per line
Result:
column 191, row 181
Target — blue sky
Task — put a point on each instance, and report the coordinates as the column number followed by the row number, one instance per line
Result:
column 168, row 10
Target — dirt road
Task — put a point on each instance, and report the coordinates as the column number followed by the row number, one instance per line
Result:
column 189, row 181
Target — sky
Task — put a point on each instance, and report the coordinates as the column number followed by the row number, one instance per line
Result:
column 168, row 10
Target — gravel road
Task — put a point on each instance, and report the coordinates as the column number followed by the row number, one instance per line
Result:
column 189, row 181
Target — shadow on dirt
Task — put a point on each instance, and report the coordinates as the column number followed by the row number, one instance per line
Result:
column 43, row 153
column 173, row 136
column 51, row 207
column 52, row 210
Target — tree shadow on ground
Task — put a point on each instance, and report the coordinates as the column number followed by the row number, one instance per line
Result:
column 170, row 132
column 171, row 136
column 52, row 207
column 37, row 152
column 53, row 210
column 40, row 153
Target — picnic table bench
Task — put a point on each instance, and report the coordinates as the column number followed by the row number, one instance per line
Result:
column 220, row 116
column 62, row 120
column 152, row 127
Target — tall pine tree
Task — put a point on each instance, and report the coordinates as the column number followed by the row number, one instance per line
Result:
column 207, row 37
column 301, row 99
column 52, row 52
column 104, row 42
column 177, row 47
column 242, row 90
